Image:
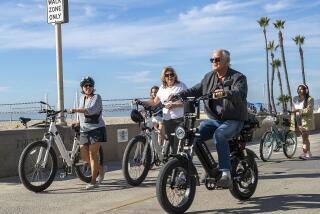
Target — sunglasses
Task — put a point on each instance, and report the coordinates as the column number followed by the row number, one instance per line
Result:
column 88, row 85
column 169, row 75
column 215, row 60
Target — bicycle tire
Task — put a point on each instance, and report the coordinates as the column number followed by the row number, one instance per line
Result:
column 146, row 163
column 266, row 139
column 31, row 151
column 184, row 183
column 290, row 135
column 83, row 172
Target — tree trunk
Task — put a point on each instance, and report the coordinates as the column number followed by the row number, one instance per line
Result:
column 302, row 65
column 280, row 87
column 271, row 88
column 285, row 66
column 267, row 59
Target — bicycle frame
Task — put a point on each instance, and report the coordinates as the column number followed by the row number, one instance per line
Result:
column 278, row 135
column 53, row 136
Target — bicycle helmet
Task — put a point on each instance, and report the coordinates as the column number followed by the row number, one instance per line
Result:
column 136, row 116
column 86, row 80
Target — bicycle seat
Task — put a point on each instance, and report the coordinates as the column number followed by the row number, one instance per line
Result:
column 24, row 120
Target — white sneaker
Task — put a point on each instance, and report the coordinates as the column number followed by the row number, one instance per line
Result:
column 308, row 155
column 101, row 175
column 91, row 186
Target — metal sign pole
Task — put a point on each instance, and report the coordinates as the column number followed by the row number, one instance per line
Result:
column 60, row 102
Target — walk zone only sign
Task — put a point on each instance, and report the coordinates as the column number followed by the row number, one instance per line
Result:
column 57, row 11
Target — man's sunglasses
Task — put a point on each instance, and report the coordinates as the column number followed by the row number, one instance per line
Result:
column 88, row 85
column 169, row 75
column 215, row 60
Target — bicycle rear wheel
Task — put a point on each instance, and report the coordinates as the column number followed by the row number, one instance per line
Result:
column 266, row 146
column 36, row 173
column 290, row 144
column 83, row 170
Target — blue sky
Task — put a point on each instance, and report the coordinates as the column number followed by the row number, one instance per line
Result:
column 124, row 45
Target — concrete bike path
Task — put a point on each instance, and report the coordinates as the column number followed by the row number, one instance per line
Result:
column 285, row 186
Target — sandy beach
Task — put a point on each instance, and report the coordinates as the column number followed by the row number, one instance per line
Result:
column 9, row 125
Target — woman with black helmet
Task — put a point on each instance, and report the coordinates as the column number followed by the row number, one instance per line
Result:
column 302, row 118
column 92, row 129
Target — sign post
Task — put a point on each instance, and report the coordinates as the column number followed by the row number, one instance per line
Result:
column 57, row 13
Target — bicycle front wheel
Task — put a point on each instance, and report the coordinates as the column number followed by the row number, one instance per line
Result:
column 175, row 187
column 136, row 161
column 36, row 173
column 266, row 146
column 83, row 170
column 290, row 144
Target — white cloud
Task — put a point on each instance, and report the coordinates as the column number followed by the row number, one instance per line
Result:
column 89, row 11
column 4, row 88
column 273, row 7
column 136, row 77
column 213, row 25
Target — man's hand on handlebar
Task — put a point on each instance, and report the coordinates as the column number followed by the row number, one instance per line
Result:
column 218, row 93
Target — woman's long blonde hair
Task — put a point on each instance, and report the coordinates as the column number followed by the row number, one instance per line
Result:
column 163, row 78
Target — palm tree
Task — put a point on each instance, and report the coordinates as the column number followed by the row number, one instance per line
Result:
column 299, row 40
column 272, row 48
column 279, row 24
column 277, row 63
column 264, row 22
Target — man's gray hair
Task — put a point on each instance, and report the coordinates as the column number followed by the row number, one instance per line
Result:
column 226, row 54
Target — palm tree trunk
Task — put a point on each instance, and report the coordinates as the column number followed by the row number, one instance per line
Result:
column 280, row 87
column 271, row 88
column 302, row 65
column 267, row 59
column 285, row 67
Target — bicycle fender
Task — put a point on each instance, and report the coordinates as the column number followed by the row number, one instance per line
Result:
column 251, row 153
column 191, row 168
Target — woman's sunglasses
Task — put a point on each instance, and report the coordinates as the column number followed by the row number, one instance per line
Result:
column 169, row 75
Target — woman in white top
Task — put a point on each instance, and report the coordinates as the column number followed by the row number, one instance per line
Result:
column 303, row 119
column 173, row 111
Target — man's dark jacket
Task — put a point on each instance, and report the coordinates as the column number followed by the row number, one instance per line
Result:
column 234, row 105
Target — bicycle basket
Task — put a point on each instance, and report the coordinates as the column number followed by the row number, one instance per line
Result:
column 136, row 116
column 269, row 121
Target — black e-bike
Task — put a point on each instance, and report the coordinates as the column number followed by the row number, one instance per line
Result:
column 178, row 178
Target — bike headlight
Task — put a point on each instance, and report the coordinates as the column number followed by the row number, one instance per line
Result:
column 180, row 132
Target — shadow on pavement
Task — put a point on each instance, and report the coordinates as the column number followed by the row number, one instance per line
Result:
column 277, row 175
column 106, row 185
column 273, row 204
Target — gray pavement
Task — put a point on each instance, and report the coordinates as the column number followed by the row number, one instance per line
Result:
column 285, row 186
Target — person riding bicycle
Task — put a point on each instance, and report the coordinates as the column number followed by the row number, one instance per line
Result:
column 227, row 111
column 157, row 118
column 92, row 129
column 173, row 111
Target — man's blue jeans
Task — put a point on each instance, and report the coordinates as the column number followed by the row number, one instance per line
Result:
column 221, row 132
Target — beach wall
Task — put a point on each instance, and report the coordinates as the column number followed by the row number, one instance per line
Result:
column 12, row 142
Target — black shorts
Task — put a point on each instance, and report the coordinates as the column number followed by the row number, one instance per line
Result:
column 93, row 136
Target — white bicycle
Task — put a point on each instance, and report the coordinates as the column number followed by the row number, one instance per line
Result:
column 38, row 162
column 143, row 151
